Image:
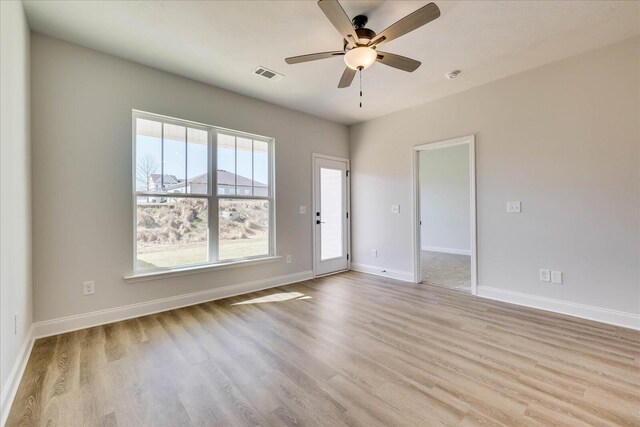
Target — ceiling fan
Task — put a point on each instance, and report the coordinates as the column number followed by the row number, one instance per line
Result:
column 360, row 44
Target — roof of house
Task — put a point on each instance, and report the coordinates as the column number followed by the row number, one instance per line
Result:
column 228, row 178
column 168, row 179
column 224, row 178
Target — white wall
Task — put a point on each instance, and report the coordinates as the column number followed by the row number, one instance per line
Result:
column 15, row 189
column 564, row 139
column 82, row 207
column 444, row 199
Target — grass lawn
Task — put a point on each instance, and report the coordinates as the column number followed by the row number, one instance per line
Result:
column 241, row 248
column 196, row 253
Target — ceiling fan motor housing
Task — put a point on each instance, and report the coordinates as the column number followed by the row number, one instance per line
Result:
column 364, row 36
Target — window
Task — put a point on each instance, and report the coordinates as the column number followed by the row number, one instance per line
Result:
column 180, row 220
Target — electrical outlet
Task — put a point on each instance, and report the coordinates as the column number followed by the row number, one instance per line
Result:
column 303, row 210
column 89, row 288
column 556, row 277
column 395, row 209
column 288, row 259
column 374, row 253
column 545, row 275
column 513, row 207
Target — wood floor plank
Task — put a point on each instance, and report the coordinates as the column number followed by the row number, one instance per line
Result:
column 349, row 349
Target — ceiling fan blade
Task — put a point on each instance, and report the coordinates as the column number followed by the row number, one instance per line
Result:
column 414, row 20
column 313, row 57
column 347, row 78
column 396, row 61
column 335, row 13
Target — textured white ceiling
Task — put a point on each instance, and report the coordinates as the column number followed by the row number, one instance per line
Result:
column 221, row 43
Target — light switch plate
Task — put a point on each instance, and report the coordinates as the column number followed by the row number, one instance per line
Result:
column 89, row 288
column 545, row 275
column 513, row 207
column 556, row 277
column 395, row 209
column 303, row 210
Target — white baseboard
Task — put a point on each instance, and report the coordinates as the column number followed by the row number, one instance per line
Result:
column 101, row 317
column 10, row 388
column 384, row 272
column 613, row 317
column 447, row 250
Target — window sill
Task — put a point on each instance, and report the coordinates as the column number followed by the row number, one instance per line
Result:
column 164, row 274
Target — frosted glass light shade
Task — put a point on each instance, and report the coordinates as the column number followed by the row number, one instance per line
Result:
column 360, row 57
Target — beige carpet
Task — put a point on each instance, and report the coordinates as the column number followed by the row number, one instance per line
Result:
column 449, row 270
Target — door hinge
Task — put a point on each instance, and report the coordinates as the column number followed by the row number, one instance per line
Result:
column 347, row 214
column 347, row 173
column 347, row 257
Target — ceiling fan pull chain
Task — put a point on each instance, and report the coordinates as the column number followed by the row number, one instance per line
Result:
column 360, row 69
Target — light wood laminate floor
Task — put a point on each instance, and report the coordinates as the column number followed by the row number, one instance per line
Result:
column 349, row 349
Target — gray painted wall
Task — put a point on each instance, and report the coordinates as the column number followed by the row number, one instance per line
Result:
column 82, row 204
column 444, row 198
column 15, row 187
column 564, row 139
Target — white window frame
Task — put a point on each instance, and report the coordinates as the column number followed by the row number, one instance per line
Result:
column 212, row 196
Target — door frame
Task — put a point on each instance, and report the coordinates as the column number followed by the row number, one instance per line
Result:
column 314, row 157
column 471, row 141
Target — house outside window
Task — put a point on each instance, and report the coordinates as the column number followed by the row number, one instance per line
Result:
column 179, row 221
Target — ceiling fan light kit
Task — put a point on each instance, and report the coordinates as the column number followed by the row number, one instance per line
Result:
column 360, row 44
column 360, row 58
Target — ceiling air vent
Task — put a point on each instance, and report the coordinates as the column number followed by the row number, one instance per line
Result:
column 268, row 74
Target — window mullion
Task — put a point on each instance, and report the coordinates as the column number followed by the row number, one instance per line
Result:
column 162, row 157
column 158, row 194
column 213, row 196
column 271, row 196
column 186, row 157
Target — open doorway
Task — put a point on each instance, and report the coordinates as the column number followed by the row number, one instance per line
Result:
column 445, row 213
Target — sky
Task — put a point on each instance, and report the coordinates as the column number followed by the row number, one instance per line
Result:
column 174, row 156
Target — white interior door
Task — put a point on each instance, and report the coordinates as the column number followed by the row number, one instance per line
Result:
column 331, row 222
